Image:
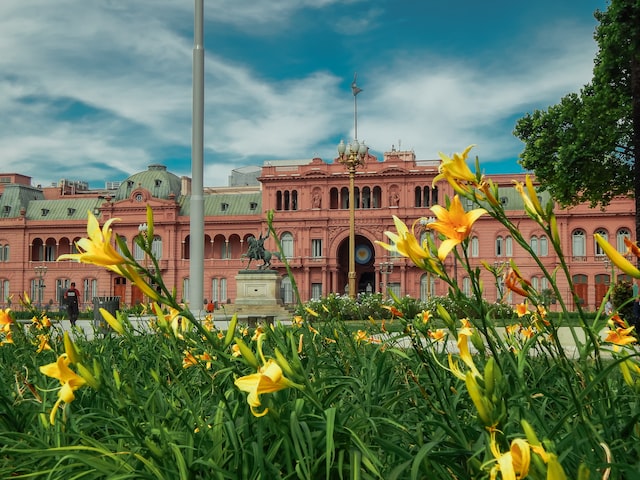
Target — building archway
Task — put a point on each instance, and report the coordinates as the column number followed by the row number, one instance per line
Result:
column 365, row 265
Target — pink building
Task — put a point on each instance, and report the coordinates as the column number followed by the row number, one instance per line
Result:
column 310, row 200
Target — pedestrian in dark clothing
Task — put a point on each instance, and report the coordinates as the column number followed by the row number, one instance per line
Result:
column 72, row 299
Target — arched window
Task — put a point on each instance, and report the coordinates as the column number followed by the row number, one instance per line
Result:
column 508, row 246
column 499, row 247
column 377, row 195
column 620, row 236
column 366, row 197
column 344, row 198
column 533, row 243
column 418, row 196
column 333, row 198
column 598, row 249
column 286, row 240
column 434, row 196
column 50, row 250
column 138, row 253
column 578, row 246
column 543, row 246
column 4, row 253
column 475, row 247
column 156, row 247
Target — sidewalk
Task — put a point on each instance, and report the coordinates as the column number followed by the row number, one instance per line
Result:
column 221, row 322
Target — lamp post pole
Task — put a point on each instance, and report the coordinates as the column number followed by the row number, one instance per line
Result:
column 352, row 156
column 385, row 269
column 41, row 271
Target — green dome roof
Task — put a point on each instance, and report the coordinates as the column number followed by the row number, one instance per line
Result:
column 156, row 179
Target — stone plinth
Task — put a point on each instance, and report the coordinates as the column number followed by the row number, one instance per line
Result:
column 258, row 288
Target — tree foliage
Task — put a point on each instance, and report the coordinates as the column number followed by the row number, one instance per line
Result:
column 583, row 149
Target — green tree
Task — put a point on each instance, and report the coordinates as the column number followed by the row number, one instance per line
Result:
column 584, row 148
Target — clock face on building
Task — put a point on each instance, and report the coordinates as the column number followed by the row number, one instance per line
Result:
column 139, row 197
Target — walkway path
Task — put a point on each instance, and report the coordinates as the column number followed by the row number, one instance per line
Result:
column 222, row 323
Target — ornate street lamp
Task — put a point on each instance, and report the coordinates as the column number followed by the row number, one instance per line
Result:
column 352, row 156
column 41, row 271
column 385, row 270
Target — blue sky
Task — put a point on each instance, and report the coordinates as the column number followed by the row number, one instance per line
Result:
column 97, row 90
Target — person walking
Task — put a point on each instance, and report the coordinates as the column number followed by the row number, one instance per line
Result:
column 72, row 299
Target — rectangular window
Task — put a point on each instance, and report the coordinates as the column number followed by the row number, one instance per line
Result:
column 316, row 248
column 223, row 289
column 316, row 291
column 185, row 289
column 4, row 290
column 395, row 288
column 215, row 294
column 90, row 289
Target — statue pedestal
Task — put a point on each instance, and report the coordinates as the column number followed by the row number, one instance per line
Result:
column 258, row 288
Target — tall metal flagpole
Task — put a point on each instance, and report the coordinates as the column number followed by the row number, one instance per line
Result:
column 196, row 237
column 355, row 90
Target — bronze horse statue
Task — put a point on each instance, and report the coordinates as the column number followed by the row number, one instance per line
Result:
column 256, row 251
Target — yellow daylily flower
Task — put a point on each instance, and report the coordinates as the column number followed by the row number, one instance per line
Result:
column 516, row 283
column 455, row 169
column 112, row 321
column 621, row 336
column 132, row 274
column 522, row 309
column 465, row 354
column 632, row 247
column 361, row 336
column 530, row 198
column 268, row 379
column 70, row 381
column 513, row 464
column 438, row 335
column 97, row 248
column 455, row 224
column 189, row 360
column 616, row 257
column 404, row 242
column 43, row 343
column 8, row 337
column 311, row 312
column 5, row 320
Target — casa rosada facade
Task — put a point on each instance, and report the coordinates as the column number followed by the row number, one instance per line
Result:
column 311, row 204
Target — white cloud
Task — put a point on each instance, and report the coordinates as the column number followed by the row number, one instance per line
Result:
column 129, row 65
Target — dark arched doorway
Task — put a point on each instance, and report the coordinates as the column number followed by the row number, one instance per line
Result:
column 365, row 265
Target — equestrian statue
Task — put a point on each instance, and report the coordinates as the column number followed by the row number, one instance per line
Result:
column 256, row 251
